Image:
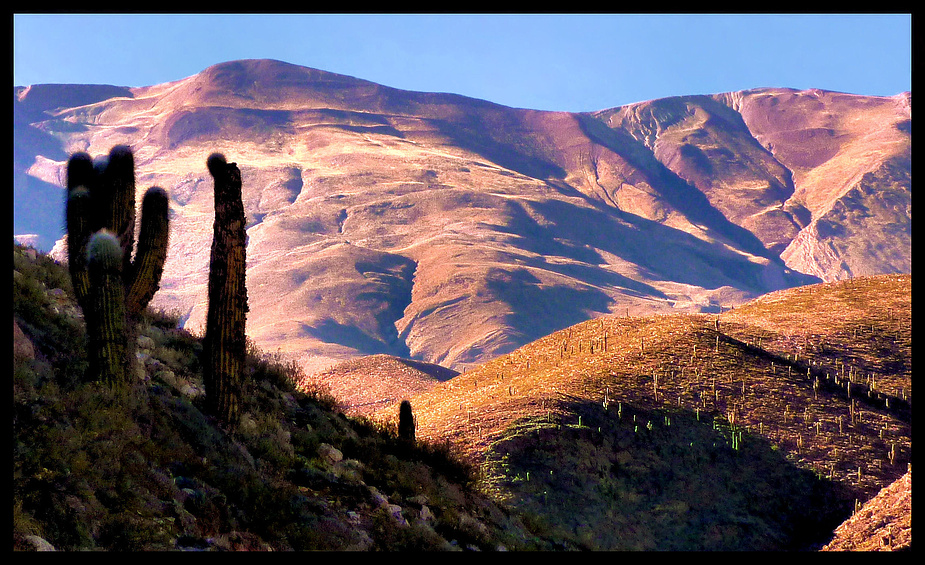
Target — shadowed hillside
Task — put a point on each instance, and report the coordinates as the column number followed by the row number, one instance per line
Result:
column 151, row 470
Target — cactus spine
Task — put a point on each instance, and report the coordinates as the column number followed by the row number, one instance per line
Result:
column 101, row 196
column 225, row 342
column 405, row 421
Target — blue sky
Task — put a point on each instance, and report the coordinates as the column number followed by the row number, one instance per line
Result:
column 569, row 62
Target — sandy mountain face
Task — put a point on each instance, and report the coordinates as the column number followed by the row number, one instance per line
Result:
column 451, row 230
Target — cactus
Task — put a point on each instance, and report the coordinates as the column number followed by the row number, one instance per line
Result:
column 151, row 251
column 405, row 421
column 106, row 315
column 225, row 342
column 80, row 221
column 101, row 196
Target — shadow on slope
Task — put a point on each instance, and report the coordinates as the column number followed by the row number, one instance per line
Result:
column 581, row 233
column 537, row 309
column 680, row 194
column 502, row 138
column 35, row 210
column 628, row 478
column 331, row 331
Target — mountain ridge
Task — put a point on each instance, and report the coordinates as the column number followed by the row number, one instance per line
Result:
column 470, row 215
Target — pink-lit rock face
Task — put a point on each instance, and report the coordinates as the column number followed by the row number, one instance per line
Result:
column 452, row 230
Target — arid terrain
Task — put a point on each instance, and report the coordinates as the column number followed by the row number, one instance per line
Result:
column 670, row 432
column 820, row 376
column 452, row 230
column 677, row 324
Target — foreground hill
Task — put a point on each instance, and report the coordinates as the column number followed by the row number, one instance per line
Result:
column 764, row 426
column 884, row 523
column 452, row 230
column 151, row 471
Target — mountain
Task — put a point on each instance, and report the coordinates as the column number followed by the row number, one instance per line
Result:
column 452, row 230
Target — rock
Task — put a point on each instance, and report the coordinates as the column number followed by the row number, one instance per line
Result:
column 473, row 526
column 426, row 515
column 155, row 333
column 167, row 376
column 141, row 359
column 364, row 541
column 378, row 499
column 395, row 511
column 185, row 520
column 39, row 543
column 145, row 343
column 58, row 294
column 23, row 350
column 190, row 391
column 419, row 499
column 329, row 454
column 247, row 426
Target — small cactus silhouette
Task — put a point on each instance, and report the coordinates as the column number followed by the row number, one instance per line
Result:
column 405, row 421
column 225, row 340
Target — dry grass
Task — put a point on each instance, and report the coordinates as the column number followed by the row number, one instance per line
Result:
column 369, row 383
column 883, row 524
column 752, row 373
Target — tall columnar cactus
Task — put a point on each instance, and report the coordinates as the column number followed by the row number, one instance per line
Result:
column 225, row 342
column 405, row 421
column 101, row 196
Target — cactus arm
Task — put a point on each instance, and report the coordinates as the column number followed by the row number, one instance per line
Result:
column 115, row 195
column 80, row 171
column 105, row 317
column 79, row 221
column 144, row 274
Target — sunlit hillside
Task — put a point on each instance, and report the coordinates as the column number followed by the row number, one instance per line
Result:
column 820, row 375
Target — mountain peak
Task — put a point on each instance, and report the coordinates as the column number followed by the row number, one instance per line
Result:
column 269, row 84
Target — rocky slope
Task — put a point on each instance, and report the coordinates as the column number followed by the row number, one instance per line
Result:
column 152, row 471
column 884, row 523
column 453, row 230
